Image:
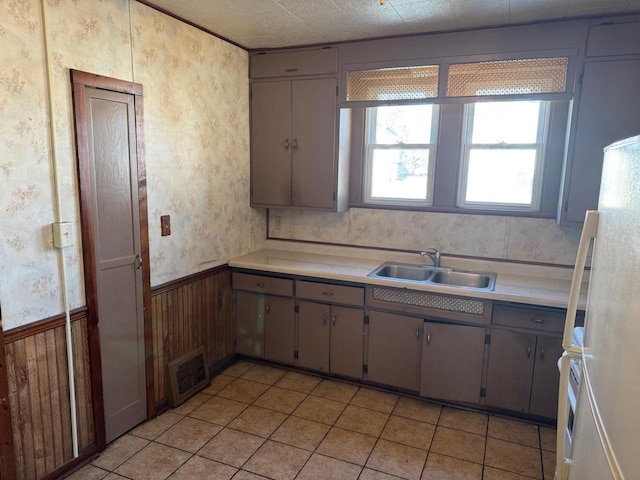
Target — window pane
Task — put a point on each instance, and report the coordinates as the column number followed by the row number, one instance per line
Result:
column 402, row 124
column 505, row 122
column 393, row 83
column 501, row 176
column 399, row 174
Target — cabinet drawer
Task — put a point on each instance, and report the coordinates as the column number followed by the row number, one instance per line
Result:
column 263, row 284
column 285, row 64
column 330, row 293
column 531, row 318
column 616, row 39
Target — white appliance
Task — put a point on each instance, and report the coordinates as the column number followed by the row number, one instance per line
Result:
column 602, row 442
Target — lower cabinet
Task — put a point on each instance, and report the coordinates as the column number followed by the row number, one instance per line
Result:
column 452, row 359
column 265, row 326
column 394, row 350
column 546, row 377
column 330, row 338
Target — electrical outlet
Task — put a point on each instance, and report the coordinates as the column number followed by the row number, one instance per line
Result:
column 63, row 234
column 165, row 225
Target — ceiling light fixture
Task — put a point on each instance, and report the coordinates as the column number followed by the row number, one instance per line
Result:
column 381, row 2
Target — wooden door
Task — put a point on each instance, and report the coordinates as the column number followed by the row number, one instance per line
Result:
column 608, row 111
column 394, row 350
column 452, row 357
column 279, row 329
column 271, row 143
column 313, row 335
column 250, row 324
column 111, row 137
column 7, row 454
column 546, row 377
column 511, row 357
column 347, row 341
column 313, row 172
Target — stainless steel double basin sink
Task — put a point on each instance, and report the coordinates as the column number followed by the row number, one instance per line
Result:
column 426, row 274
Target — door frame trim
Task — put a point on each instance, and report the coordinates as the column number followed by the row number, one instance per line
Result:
column 79, row 82
column 7, row 448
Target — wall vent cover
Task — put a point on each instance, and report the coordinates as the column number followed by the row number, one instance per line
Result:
column 187, row 375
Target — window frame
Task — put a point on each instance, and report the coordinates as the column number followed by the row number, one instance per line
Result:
column 540, row 147
column 370, row 114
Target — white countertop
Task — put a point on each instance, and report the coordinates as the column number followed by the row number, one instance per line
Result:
column 535, row 285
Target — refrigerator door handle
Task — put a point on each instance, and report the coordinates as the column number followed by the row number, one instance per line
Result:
column 589, row 231
column 562, row 462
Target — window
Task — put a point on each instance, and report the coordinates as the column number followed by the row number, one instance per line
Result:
column 503, row 154
column 399, row 151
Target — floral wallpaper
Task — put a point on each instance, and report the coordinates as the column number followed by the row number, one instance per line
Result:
column 196, row 136
column 484, row 236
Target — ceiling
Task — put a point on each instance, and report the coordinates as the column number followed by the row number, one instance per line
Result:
column 255, row 24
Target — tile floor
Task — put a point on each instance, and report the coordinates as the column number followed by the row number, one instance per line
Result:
column 257, row 421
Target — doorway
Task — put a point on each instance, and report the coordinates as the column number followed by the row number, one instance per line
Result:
column 7, row 454
column 112, row 183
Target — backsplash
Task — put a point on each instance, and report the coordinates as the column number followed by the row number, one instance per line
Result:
column 484, row 236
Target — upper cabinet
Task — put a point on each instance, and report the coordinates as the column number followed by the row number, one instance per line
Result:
column 296, row 144
column 606, row 110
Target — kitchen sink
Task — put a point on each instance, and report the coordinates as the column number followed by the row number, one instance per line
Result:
column 426, row 274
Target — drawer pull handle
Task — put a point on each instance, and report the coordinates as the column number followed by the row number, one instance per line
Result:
column 539, row 321
column 324, row 318
column 268, row 308
column 328, row 294
column 428, row 338
column 261, row 284
column 333, row 319
column 528, row 351
column 291, row 70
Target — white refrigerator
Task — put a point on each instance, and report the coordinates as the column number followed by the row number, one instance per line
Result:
column 599, row 427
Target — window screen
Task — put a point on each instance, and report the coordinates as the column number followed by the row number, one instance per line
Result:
column 404, row 83
column 507, row 77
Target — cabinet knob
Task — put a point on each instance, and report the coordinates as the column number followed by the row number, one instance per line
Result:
column 328, row 294
column 286, row 144
column 333, row 319
column 417, row 334
column 528, row 351
column 428, row 338
column 324, row 318
column 541, row 353
column 261, row 284
column 268, row 307
column 294, row 145
column 539, row 321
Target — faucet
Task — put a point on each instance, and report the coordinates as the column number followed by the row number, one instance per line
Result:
column 433, row 254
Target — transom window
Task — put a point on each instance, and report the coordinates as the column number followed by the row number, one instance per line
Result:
column 400, row 152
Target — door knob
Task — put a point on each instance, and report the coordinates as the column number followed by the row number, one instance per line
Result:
column 138, row 262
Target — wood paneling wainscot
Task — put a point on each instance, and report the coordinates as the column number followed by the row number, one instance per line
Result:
column 193, row 311
column 36, row 358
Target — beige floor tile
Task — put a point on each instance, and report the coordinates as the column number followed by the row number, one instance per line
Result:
column 231, row 447
column 218, row 383
column 242, row 390
column 548, row 438
column 239, row 368
column 280, row 400
column 324, row 468
column 300, row 433
column 88, row 472
column 319, row 410
column 548, row 464
column 218, row 410
column 458, row 444
column 197, row 468
column 338, row 391
column 190, row 405
column 397, row 459
column 155, row 427
column 153, row 462
column 119, row 451
column 298, row 382
column 408, row 432
column 418, row 410
column 244, row 475
column 513, row 458
column 275, row 460
column 495, row 474
column 189, row 434
column 472, row 422
column 514, row 431
column 346, row 445
column 114, row 476
column 375, row 400
column 440, row 467
column 264, row 374
column 368, row 474
column 258, row 421
column 362, row 420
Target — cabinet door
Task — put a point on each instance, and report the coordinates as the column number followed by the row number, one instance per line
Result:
column 347, row 341
column 452, row 357
column 313, row 172
column 279, row 329
column 546, row 377
column 394, row 350
column 511, row 356
column 271, row 143
column 313, row 335
column 250, row 324
column 608, row 111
